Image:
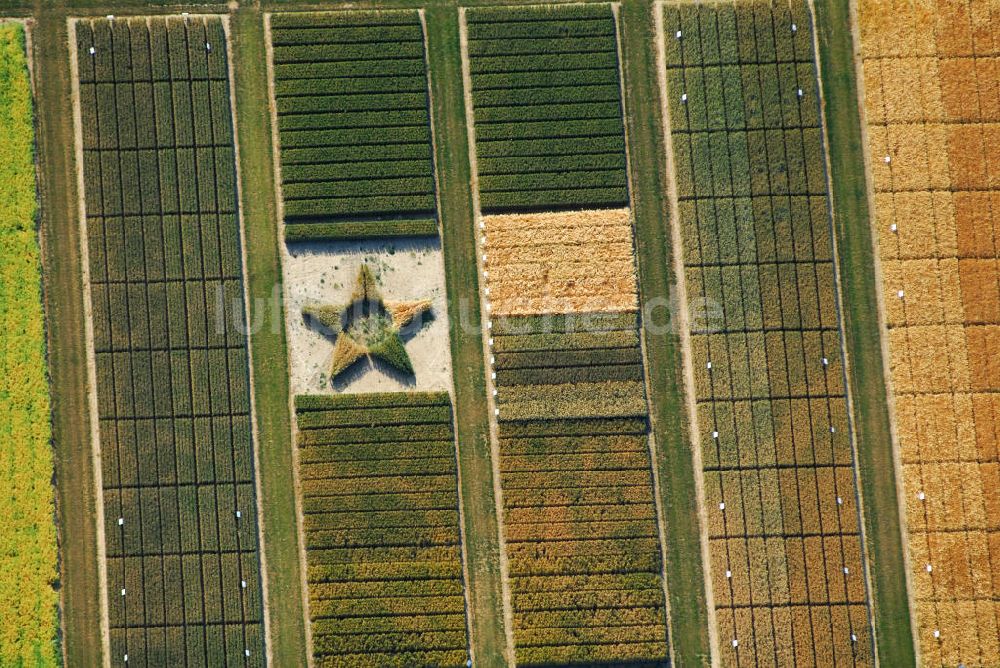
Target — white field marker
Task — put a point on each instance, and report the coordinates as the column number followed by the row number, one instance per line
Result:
column 800, row 93
column 729, row 575
column 708, row 366
column 678, row 34
column 937, row 634
column 826, row 362
column 840, row 501
column 93, row 50
column 238, row 514
column 888, row 159
column 893, row 228
column 920, row 495
column 900, row 294
column 736, row 643
column 929, row 568
column 795, row 28
column 121, row 521
column 684, row 97
column 847, row 570
column 722, row 506
column 715, row 434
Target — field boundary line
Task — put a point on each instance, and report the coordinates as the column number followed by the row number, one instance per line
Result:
column 279, row 209
column 457, row 203
column 685, row 565
column 254, row 420
column 268, row 269
column 462, row 532
column 484, row 314
column 95, row 429
column 651, row 442
column 846, row 361
column 884, row 330
column 683, row 327
column 884, row 420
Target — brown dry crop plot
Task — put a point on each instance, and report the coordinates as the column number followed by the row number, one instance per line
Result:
column 577, row 261
column 932, row 77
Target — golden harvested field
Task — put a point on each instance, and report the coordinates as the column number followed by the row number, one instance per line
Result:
column 932, row 101
column 566, row 262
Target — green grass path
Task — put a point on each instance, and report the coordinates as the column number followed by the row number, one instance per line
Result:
column 76, row 498
column 894, row 637
column 482, row 543
column 269, row 349
column 651, row 207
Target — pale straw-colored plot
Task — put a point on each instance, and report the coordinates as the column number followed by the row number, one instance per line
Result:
column 564, row 262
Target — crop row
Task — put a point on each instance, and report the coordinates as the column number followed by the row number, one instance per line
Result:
column 580, row 521
column 930, row 107
column 354, row 125
column 778, row 468
column 156, row 249
column 546, row 100
column 168, row 301
column 380, row 502
column 740, row 32
column 144, row 50
column 750, row 163
column 30, row 624
column 187, row 181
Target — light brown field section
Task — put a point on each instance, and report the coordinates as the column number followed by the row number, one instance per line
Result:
column 932, row 105
column 565, row 262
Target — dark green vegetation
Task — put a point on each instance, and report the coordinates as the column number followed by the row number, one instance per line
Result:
column 380, row 503
column 172, row 374
column 579, row 514
column 547, row 103
column 688, row 618
column 489, row 642
column 269, row 360
column 785, row 545
column 893, row 632
column 354, row 124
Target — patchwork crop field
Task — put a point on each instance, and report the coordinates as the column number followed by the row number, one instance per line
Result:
column 354, row 125
column 546, row 97
column 28, row 559
column 786, row 559
column 579, row 514
column 381, row 522
column 931, row 76
column 164, row 261
column 504, row 333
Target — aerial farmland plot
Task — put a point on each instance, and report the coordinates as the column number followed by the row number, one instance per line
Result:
column 786, row 557
column 931, row 109
column 499, row 333
column 172, row 385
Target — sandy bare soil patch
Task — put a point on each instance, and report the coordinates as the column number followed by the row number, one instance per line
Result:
column 325, row 273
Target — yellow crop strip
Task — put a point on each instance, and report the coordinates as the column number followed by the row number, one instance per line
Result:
column 28, row 600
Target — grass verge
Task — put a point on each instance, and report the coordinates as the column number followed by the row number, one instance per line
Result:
column 482, row 538
column 893, row 631
column 651, row 208
column 76, row 502
column 275, row 472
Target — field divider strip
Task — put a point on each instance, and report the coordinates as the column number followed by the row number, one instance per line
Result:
column 88, row 327
column 489, row 619
column 865, row 348
column 286, row 630
column 660, row 273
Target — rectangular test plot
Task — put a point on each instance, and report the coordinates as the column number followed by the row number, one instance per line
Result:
column 379, row 484
column 166, row 285
column 785, row 550
column 354, row 124
column 546, row 102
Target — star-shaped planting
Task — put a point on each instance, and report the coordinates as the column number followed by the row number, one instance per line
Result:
column 367, row 326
